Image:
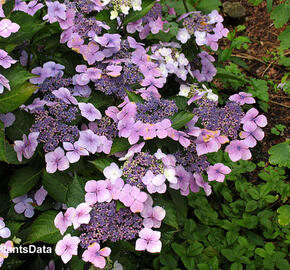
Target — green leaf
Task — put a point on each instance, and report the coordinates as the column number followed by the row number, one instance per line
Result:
column 133, row 97
column 224, row 74
column 180, row 119
column 251, row 206
column 102, row 163
column 255, row 2
column 21, row 125
column 14, row 227
column 76, row 193
column 136, row 15
column 280, row 154
column 284, row 37
column 260, row 89
column 178, row 249
column 195, row 249
column 43, row 229
column 2, row 142
column 254, row 193
column 23, row 180
column 269, row 247
column 284, row 215
column 180, row 204
column 11, row 100
column 206, row 6
column 236, row 266
column 8, row 7
column 77, row 264
column 188, row 262
column 57, row 185
column 228, row 253
column 281, row 14
column 99, row 99
column 119, row 145
column 225, row 55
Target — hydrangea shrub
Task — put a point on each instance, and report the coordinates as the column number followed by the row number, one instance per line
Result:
column 124, row 114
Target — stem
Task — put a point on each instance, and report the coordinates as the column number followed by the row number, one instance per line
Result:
column 185, row 6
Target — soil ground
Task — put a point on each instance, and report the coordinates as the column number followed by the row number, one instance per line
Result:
column 260, row 58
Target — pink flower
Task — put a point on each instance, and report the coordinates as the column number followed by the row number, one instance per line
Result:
column 132, row 150
column 207, row 142
column 41, row 72
column 112, row 172
column 7, row 27
column 252, row 119
column 65, row 95
column 115, row 187
column 27, row 146
column 89, row 140
column 217, row 172
column 96, row 191
column 33, row 7
column 251, row 134
column 24, row 205
column 149, row 240
column 4, row 83
column 55, row 11
column 5, row 59
column 54, row 69
column 133, row 197
column 95, row 255
column 63, row 221
column 4, row 231
column 201, row 183
column 154, row 183
column 56, row 160
column 153, row 216
column 162, row 128
column 75, row 151
column 40, row 196
column 89, row 111
column 114, row 71
column 242, row 98
column 67, row 247
column 81, row 215
column 7, row 119
column 183, row 180
column 238, row 150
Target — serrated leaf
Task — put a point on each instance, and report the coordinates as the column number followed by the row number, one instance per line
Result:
column 43, row 229
column 260, row 89
column 280, row 154
column 57, row 185
column 225, row 74
column 206, row 6
column 136, row 15
column 281, row 15
column 11, row 100
column 284, row 37
column 76, row 193
column 180, row 119
column 23, row 180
